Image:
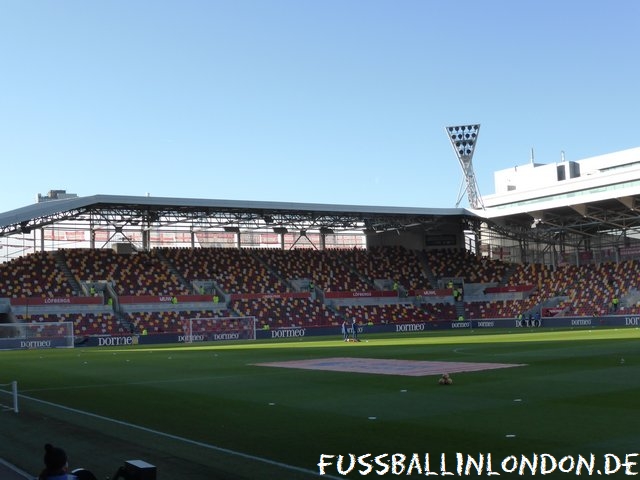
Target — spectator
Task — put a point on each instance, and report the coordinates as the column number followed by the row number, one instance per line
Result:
column 56, row 464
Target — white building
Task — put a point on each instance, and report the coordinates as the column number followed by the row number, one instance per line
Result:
column 587, row 209
column 538, row 187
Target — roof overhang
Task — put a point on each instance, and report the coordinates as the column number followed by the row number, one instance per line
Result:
column 226, row 215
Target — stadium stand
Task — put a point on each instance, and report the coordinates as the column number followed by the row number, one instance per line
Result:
column 285, row 312
column 273, row 286
column 466, row 266
column 327, row 269
column 84, row 323
column 232, row 270
column 143, row 273
column 35, row 275
column 167, row 321
column 390, row 264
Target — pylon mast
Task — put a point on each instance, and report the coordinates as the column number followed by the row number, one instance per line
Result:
column 463, row 140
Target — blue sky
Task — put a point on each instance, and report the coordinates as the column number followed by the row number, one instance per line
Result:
column 312, row 101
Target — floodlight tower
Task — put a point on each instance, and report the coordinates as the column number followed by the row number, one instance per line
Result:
column 463, row 140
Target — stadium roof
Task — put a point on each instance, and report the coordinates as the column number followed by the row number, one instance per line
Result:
column 202, row 214
column 586, row 217
column 614, row 216
column 611, row 219
column 600, row 195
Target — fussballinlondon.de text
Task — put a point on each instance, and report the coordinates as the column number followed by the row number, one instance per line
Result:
column 482, row 464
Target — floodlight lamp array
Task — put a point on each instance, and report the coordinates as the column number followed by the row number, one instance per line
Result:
column 463, row 138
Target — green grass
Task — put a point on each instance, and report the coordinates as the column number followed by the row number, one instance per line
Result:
column 208, row 412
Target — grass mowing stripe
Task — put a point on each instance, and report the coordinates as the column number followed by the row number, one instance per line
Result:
column 179, row 438
column 574, row 397
column 126, row 384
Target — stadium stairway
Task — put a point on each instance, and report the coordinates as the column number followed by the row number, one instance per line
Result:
column 507, row 274
column 365, row 281
column 172, row 269
column 460, row 311
column 631, row 299
column 61, row 263
column 273, row 272
column 433, row 281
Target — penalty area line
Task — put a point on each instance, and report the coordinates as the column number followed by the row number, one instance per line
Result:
column 179, row 438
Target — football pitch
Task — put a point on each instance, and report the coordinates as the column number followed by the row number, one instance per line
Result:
column 558, row 402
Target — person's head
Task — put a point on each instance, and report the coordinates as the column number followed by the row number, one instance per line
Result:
column 55, row 459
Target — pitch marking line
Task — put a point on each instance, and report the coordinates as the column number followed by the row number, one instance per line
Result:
column 411, row 368
column 182, row 439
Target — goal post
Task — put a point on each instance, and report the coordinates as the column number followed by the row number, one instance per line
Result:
column 9, row 397
column 211, row 329
column 35, row 335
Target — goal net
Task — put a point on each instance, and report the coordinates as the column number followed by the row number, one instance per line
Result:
column 9, row 397
column 36, row 335
column 220, row 328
